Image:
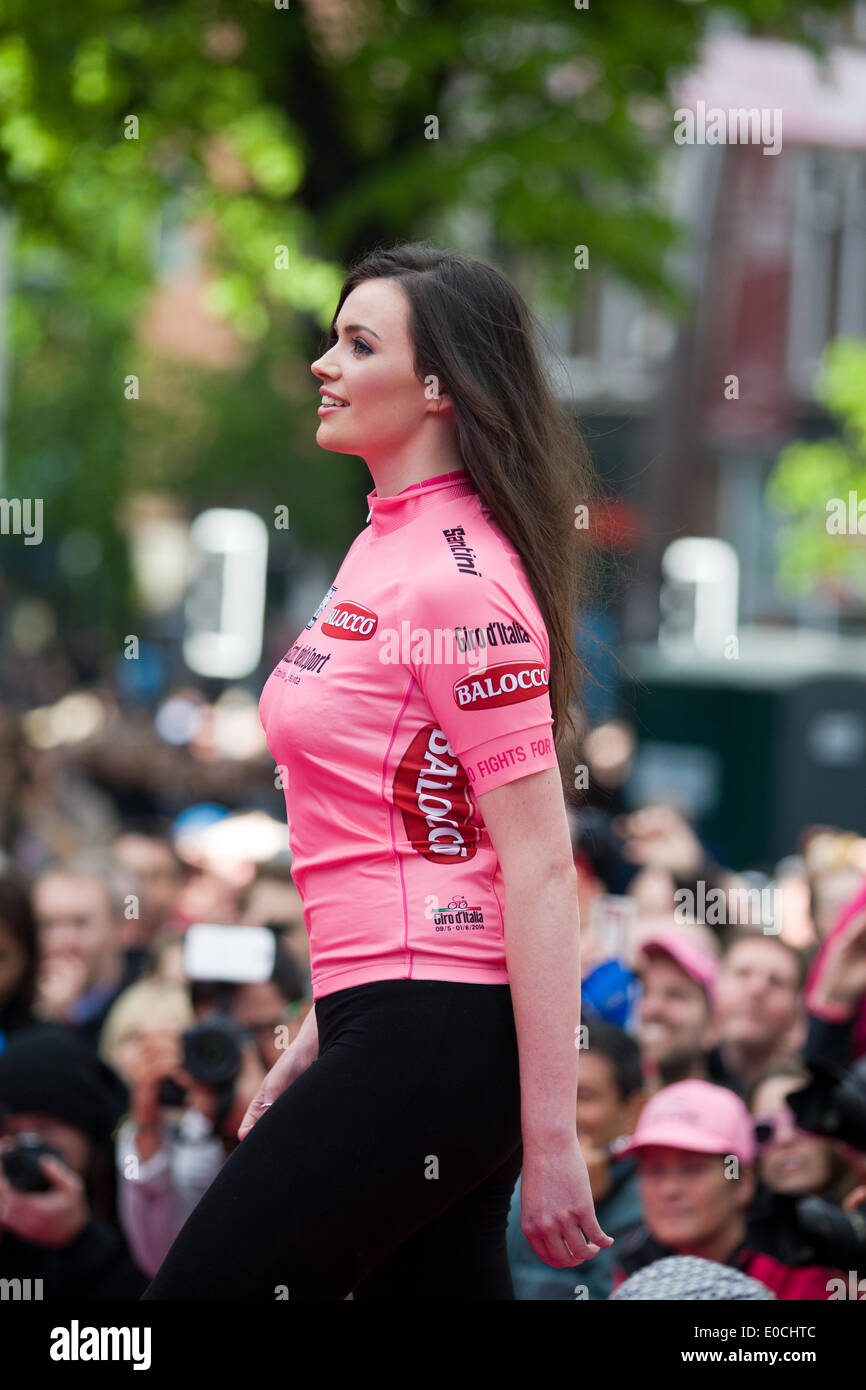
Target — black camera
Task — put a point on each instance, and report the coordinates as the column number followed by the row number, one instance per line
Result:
column 211, row 1054
column 832, row 1104
column 21, row 1164
column 837, row 1237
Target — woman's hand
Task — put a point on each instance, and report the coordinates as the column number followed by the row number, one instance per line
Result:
column 294, row 1061
column 54, row 1218
column 556, row 1205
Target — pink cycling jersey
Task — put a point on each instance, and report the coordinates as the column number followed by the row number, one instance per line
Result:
column 420, row 682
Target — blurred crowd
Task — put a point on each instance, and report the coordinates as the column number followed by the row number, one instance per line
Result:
column 721, row 1104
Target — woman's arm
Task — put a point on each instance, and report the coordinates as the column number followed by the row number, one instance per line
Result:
column 298, row 1056
column 306, row 1041
column 528, row 828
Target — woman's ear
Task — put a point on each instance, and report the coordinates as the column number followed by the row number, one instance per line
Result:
column 435, row 393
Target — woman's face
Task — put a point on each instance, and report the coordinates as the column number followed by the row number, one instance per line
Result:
column 370, row 368
column 688, row 1200
column 793, row 1161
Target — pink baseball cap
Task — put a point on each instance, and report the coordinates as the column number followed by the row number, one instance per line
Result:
column 698, row 964
column 698, row 1116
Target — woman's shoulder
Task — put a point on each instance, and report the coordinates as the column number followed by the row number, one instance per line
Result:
column 448, row 564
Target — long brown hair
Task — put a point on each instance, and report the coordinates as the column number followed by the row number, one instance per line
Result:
column 473, row 332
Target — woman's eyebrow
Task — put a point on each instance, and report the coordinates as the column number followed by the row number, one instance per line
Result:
column 359, row 328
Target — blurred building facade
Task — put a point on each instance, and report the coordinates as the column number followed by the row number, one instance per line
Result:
column 777, row 269
column 755, row 747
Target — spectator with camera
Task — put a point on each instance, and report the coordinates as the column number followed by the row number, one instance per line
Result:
column 59, row 1105
column 810, row 1129
column 815, row 1176
column 793, row 1161
column 194, row 1058
column 189, row 1084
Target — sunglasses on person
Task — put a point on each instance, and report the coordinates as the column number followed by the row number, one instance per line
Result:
column 768, row 1127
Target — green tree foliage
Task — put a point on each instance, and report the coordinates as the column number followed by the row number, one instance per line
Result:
column 304, row 127
column 819, row 487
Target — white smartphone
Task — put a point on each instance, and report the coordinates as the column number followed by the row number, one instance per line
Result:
column 240, row 955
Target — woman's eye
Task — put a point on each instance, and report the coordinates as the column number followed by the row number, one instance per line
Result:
column 356, row 342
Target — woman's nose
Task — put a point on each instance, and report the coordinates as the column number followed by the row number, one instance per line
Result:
column 321, row 364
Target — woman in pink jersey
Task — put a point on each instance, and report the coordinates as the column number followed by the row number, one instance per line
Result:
column 416, row 722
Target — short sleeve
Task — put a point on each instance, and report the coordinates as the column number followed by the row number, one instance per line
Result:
column 480, row 654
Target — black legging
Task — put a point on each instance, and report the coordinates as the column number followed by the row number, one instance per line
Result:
column 386, row 1169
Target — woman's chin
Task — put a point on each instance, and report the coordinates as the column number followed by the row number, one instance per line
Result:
column 325, row 440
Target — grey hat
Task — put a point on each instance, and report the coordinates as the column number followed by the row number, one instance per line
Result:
column 688, row 1277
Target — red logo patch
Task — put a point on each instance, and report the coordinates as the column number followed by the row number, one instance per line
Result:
column 350, row 620
column 506, row 684
column 431, row 791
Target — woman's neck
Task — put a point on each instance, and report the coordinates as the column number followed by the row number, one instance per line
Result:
column 427, row 455
column 389, row 483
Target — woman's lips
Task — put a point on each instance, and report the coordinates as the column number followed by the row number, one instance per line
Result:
column 791, row 1164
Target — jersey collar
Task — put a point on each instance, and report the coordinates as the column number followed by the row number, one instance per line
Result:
column 388, row 514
